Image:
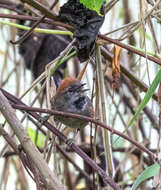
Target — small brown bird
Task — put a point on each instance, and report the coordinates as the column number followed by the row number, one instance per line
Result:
column 70, row 97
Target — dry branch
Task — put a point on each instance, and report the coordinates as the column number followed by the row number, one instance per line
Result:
column 49, row 177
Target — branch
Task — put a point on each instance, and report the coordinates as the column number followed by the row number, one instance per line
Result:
column 21, row 106
column 49, row 177
column 35, row 18
column 89, row 119
column 131, row 49
column 85, row 157
column 129, row 74
column 42, row 9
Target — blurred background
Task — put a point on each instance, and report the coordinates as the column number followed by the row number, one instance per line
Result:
column 126, row 21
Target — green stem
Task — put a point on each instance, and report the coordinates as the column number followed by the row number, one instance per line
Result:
column 143, row 51
column 39, row 30
column 61, row 61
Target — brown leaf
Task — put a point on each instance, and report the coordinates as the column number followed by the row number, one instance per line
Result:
column 116, row 67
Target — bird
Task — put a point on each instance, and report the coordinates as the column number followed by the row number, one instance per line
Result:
column 70, row 97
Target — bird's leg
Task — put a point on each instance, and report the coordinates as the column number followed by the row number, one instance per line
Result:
column 70, row 141
column 43, row 119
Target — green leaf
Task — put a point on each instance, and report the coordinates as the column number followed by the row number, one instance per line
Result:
column 148, row 36
column 150, row 171
column 147, row 97
column 40, row 138
column 93, row 4
column 121, row 13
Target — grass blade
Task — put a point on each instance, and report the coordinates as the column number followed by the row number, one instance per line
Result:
column 147, row 96
column 149, row 172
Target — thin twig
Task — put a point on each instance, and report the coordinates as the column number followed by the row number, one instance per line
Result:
column 49, row 177
column 88, row 160
column 129, row 48
column 27, row 34
column 42, row 9
column 31, row 110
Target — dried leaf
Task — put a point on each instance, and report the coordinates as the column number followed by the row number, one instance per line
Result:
column 116, row 66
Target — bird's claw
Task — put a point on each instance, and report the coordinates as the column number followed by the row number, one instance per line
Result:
column 44, row 119
column 69, row 142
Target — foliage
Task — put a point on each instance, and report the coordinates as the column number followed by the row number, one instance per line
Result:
column 31, row 83
column 149, row 172
column 93, row 4
column 35, row 135
column 147, row 96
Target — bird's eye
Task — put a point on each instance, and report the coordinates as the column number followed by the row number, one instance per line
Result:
column 70, row 90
